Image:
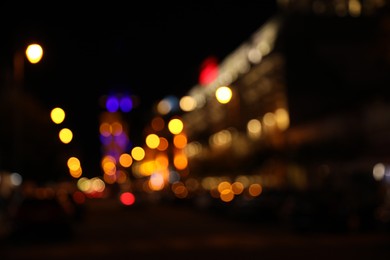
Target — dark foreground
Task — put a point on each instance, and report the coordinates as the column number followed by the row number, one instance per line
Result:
column 108, row 230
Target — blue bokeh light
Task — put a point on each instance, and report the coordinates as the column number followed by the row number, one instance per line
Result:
column 126, row 104
column 173, row 101
column 112, row 104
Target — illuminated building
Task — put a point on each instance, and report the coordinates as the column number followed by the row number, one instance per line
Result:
column 309, row 108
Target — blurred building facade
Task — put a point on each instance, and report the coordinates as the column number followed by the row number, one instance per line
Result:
column 309, row 111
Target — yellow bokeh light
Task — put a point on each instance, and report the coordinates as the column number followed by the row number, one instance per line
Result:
column 223, row 94
column 34, row 53
column 65, row 135
column 138, row 153
column 282, row 118
column 175, row 126
column 73, row 163
column 152, row 141
column 57, row 115
column 146, row 168
column 76, row 173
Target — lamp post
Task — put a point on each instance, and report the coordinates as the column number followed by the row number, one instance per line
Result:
column 33, row 53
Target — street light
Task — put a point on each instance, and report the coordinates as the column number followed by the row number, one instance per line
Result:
column 34, row 54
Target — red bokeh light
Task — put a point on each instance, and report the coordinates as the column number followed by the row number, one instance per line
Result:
column 127, row 198
column 208, row 71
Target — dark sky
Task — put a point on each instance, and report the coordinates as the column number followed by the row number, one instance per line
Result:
column 148, row 50
column 140, row 47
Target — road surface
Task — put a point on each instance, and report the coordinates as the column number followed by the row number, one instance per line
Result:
column 109, row 230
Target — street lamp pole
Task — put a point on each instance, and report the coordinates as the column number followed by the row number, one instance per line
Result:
column 34, row 54
column 18, row 69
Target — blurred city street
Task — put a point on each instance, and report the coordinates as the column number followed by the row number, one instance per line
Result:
column 224, row 130
column 108, row 230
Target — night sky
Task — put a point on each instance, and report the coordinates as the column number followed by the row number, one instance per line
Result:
column 138, row 47
column 146, row 50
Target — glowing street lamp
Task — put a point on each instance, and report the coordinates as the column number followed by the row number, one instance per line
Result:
column 34, row 54
column 57, row 115
column 65, row 135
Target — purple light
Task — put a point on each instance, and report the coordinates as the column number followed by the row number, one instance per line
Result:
column 112, row 152
column 112, row 104
column 106, row 140
column 126, row 104
column 121, row 140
